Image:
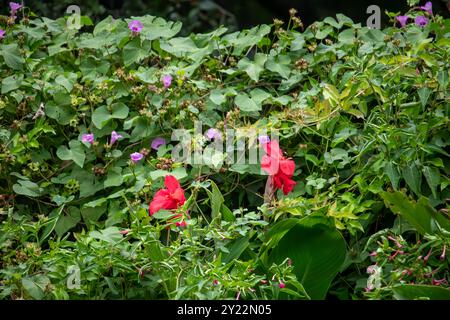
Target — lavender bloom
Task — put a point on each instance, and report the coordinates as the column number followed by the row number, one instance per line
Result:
column 136, row 156
column 402, row 20
column 213, row 134
column 2, row 33
column 421, row 21
column 167, row 80
column 135, row 26
column 263, row 139
column 114, row 137
column 88, row 137
column 14, row 7
column 158, row 142
column 428, row 7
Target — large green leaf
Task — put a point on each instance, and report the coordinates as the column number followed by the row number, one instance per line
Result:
column 11, row 83
column 317, row 251
column 411, row 292
column 253, row 68
column 419, row 214
column 67, row 220
column 11, row 55
column 413, row 178
column 103, row 114
column 246, row 104
column 27, row 188
column 75, row 153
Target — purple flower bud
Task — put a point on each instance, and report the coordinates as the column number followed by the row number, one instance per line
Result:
column 158, row 142
column 136, row 156
column 263, row 139
column 135, row 26
column 88, row 137
column 2, row 33
column 421, row 21
column 402, row 20
column 281, row 285
column 167, row 80
column 213, row 134
column 428, row 7
column 114, row 137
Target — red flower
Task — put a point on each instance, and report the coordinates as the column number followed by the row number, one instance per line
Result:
column 278, row 167
column 170, row 198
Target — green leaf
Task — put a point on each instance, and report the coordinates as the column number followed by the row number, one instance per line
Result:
column 11, row 83
column 103, row 114
column 236, row 248
column 253, row 68
column 424, row 94
column 280, row 64
column 74, row 153
column 245, row 103
column 110, row 235
column 245, row 38
column 420, row 215
column 67, row 220
column 392, row 172
column 413, row 178
column 415, row 291
column 61, row 113
column 27, row 188
column 114, row 178
column 163, row 214
column 12, row 56
column 178, row 173
column 259, row 96
column 135, row 51
column 433, row 179
column 67, row 80
column 317, row 251
column 156, row 27
column 32, row 289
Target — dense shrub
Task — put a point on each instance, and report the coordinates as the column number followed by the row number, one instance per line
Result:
column 362, row 112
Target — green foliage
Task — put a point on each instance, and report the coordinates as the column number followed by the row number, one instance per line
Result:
column 362, row 112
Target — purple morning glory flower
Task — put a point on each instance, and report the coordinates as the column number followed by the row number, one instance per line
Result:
column 135, row 26
column 88, row 137
column 402, row 20
column 136, row 156
column 428, row 7
column 114, row 137
column 263, row 139
column 158, row 142
column 14, row 6
column 213, row 134
column 167, row 80
column 2, row 33
column 421, row 21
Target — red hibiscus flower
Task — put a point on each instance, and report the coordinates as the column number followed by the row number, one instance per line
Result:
column 278, row 167
column 170, row 198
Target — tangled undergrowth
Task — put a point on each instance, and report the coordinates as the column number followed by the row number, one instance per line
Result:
column 357, row 208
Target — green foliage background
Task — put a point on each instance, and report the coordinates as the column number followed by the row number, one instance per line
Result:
column 363, row 112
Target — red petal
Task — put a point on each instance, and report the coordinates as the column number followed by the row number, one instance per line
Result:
column 288, row 185
column 156, row 205
column 178, row 196
column 277, row 182
column 171, row 183
column 287, row 167
column 273, row 149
